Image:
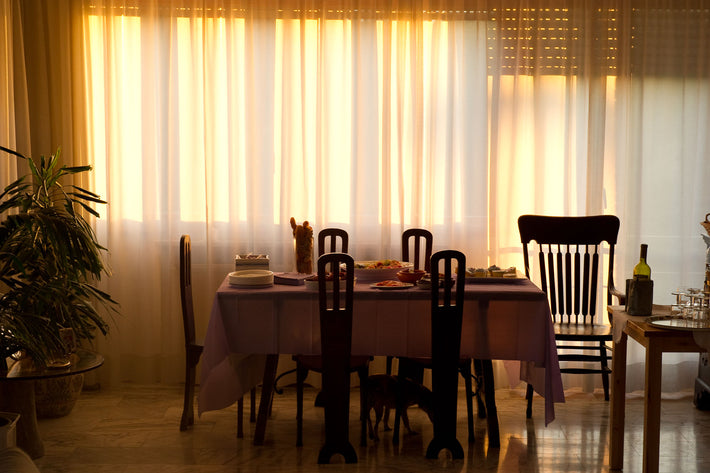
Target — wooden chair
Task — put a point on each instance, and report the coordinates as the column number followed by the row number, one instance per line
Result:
column 334, row 240
column 193, row 349
column 335, row 362
column 446, row 318
column 417, row 247
column 570, row 259
column 333, row 236
column 420, row 257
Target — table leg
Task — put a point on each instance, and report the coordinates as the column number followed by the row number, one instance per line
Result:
column 491, row 409
column 267, row 393
column 19, row 397
column 652, row 408
column 618, row 404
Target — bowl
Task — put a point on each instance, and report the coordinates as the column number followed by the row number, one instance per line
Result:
column 379, row 270
column 410, row 275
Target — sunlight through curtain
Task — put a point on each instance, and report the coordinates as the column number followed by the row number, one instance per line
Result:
column 223, row 119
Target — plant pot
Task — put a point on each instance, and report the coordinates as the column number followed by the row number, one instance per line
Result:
column 55, row 397
column 8, row 429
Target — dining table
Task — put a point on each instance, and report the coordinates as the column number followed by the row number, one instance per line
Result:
column 502, row 320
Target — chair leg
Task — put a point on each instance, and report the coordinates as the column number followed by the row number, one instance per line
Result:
column 252, row 412
column 397, row 413
column 529, row 397
column 388, row 365
column 478, row 370
column 188, row 415
column 466, row 373
column 605, row 372
column 301, row 374
column 240, row 418
column 363, row 373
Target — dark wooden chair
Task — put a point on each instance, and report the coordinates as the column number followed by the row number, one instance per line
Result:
column 570, row 259
column 335, row 362
column 446, row 318
column 193, row 349
column 328, row 240
column 420, row 256
column 417, row 247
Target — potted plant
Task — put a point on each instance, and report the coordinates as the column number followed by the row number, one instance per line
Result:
column 50, row 262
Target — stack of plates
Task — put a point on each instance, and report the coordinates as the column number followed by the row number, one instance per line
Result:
column 251, row 278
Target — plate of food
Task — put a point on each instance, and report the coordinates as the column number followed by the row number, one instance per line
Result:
column 425, row 281
column 379, row 270
column 493, row 275
column 391, row 284
column 312, row 281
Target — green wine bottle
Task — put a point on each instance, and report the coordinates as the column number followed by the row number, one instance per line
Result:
column 642, row 271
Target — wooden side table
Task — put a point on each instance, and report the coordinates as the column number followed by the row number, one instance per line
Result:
column 656, row 341
column 17, row 394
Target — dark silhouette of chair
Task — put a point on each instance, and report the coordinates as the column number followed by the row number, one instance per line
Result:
column 333, row 236
column 335, row 362
column 446, row 318
column 334, row 240
column 570, row 259
column 420, row 256
column 193, row 349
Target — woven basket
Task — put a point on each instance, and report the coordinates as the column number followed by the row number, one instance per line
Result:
column 706, row 224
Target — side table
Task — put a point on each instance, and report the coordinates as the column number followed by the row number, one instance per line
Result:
column 17, row 394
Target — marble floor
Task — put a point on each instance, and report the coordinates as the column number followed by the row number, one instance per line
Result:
column 134, row 428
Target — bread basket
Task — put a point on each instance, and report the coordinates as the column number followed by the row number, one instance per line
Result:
column 706, row 224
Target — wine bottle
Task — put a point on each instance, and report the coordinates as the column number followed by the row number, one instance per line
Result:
column 642, row 271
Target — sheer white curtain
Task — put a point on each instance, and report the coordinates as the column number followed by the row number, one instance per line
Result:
column 222, row 119
column 10, row 67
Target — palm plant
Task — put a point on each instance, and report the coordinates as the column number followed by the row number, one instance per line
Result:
column 50, row 261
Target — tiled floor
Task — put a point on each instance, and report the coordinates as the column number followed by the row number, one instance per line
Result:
column 135, row 429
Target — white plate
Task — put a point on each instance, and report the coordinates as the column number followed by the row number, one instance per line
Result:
column 400, row 285
column 251, row 277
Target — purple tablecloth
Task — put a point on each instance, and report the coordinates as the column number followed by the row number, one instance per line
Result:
column 516, row 325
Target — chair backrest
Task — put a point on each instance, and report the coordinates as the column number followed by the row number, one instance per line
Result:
column 447, row 301
column 332, row 236
column 188, row 313
column 569, row 258
column 412, row 240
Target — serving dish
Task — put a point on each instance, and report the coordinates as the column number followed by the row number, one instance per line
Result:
column 673, row 322
column 410, row 275
column 505, row 278
column 379, row 270
column 312, row 283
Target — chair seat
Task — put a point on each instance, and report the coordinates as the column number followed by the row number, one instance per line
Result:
column 315, row 362
column 591, row 332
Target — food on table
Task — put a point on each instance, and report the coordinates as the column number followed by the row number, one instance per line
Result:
column 425, row 281
column 328, row 276
column 476, row 272
column 379, row 264
column 391, row 283
column 303, row 235
column 410, row 275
